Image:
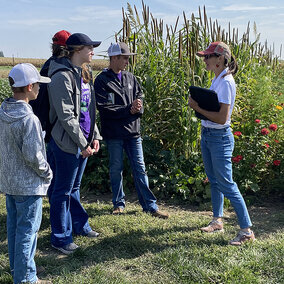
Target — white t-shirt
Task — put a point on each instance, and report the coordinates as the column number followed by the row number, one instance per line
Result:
column 226, row 92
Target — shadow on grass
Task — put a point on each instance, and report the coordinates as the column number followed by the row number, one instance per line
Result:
column 128, row 245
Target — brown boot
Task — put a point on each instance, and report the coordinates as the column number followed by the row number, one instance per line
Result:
column 213, row 226
column 160, row 214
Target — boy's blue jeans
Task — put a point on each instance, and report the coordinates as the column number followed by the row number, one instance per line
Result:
column 24, row 215
column 67, row 214
column 134, row 151
column 217, row 146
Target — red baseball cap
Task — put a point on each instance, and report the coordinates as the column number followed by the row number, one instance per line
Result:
column 61, row 37
column 217, row 47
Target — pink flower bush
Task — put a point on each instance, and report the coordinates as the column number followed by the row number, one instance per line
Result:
column 237, row 159
column 237, row 133
column 276, row 163
column 264, row 131
column 273, row 127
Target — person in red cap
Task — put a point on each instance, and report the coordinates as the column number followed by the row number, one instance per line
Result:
column 217, row 141
column 59, row 50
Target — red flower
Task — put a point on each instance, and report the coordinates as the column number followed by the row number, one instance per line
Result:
column 276, row 163
column 273, row 127
column 264, row 131
column 266, row 145
column 276, row 141
column 237, row 159
column 238, row 133
column 257, row 121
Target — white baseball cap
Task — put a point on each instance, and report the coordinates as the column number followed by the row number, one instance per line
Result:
column 119, row 48
column 24, row 74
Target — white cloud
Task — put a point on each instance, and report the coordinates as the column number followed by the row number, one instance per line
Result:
column 247, row 8
column 96, row 13
column 36, row 22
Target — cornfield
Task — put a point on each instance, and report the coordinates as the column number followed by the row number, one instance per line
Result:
column 167, row 65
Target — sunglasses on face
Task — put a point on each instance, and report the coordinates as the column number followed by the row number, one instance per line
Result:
column 210, row 55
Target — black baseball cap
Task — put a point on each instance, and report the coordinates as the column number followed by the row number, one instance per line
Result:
column 81, row 39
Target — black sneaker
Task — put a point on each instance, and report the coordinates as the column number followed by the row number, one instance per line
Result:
column 67, row 249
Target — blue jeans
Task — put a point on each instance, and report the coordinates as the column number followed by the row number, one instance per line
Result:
column 134, row 151
column 217, row 146
column 67, row 214
column 23, row 221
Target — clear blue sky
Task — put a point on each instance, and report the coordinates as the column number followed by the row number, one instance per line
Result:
column 27, row 26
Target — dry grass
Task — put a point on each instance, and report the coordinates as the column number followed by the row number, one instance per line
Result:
column 97, row 64
column 6, row 64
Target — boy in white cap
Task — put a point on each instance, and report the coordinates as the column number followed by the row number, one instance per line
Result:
column 24, row 172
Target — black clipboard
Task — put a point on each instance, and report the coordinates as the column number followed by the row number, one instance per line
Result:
column 206, row 99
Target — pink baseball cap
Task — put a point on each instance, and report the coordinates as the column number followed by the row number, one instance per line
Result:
column 217, row 47
column 61, row 37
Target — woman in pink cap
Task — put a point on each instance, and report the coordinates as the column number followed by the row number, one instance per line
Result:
column 217, row 142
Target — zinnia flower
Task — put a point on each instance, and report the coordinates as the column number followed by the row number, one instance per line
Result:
column 237, row 159
column 266, row 145
column 273, row 127
column 279, row 107
column 276, row 141
column 264, row 131
column 257, row 121
column 238, row 133
column 276, row 163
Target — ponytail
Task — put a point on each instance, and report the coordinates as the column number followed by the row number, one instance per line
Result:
column 233, row 66
column 59, row 50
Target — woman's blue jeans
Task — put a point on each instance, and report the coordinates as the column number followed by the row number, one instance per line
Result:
column 134, row 151
column 67, row 214
column 217, row 147
column 24, row 213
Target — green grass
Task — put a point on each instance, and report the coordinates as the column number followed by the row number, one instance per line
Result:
column 137, row 248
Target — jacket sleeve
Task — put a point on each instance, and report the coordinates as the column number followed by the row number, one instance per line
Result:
column 61, row 97
column 33, row 148
column 97, row 135
column 104, row 102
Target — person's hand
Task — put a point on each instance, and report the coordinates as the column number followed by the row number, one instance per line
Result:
column 96, row 144
column 192, row 103
column 87, row 152
column 136, row 106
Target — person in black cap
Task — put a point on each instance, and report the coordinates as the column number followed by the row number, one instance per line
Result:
column 119, row 101
column 74, row 138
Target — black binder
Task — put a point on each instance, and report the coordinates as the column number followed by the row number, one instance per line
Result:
column 206, row 99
